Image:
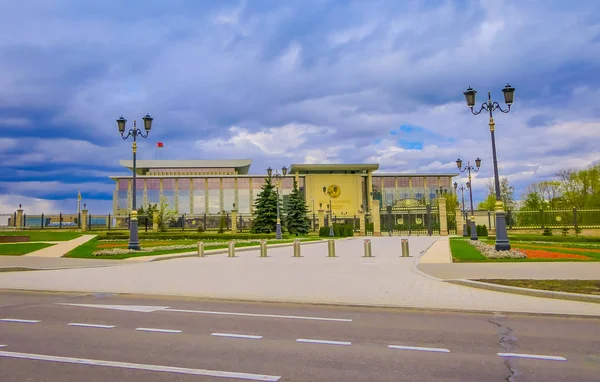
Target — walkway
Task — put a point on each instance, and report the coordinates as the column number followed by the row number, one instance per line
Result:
column 61, row 249
column 349, row 279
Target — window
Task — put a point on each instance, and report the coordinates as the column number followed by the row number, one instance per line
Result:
column 199, row 195
column 228, row 193
column 243, row 195
column 214, row 195
column 123, row 184
column 169, row 192
column 183, row 192
column 153, row 191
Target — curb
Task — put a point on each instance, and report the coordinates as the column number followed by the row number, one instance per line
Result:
column 526, row 291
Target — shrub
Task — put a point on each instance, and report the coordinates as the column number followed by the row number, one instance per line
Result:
column 565, row 231
column 189, row 235
column 547, row 232
column 339, row 230
column 577, row 231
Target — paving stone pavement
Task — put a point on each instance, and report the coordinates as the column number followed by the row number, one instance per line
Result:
column 62, row 248
column 350, row 279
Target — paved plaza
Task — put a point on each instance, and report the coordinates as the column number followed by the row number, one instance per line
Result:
column 387, row 279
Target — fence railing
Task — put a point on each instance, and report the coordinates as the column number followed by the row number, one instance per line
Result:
column 555, row 218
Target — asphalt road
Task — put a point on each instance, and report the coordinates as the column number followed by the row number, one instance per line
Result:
column 184, row 339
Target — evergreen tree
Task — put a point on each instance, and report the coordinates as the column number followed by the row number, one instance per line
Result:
column 265, row 209
column 296, row 213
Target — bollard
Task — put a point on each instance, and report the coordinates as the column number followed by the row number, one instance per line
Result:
column 368, row 248
column 263, row 248
column 200, row 249
column 331, row 248
column 297, row 248
column 404, row 244
column 231, row 249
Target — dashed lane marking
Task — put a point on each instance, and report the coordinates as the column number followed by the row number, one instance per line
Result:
column 258, row 315
column 91, row 325
column 141, row 366
column 418, row 348
column 236, row 335
column 20, row 320
column 533, row 356
column 325, row 342
column 158, row 330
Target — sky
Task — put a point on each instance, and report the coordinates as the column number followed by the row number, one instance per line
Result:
column 294, row 81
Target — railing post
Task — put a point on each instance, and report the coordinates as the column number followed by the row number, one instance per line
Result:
column 79, row 220
column 108, row 222
column 60, row 220
column 542, row 217
column 42, row 222
column 129, row 221
column 89, row 226
column 509, row 215
column 240, row 225
column 183, row 222
column 24, row 220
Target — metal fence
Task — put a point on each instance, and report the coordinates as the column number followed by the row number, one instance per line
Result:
column 558, row 218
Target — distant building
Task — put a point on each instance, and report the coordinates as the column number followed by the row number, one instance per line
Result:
column 198, row 187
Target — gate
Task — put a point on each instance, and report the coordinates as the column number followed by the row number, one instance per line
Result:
column 409, row 217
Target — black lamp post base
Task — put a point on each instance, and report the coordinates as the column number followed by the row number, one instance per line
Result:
column 134, row 241
column 473, row 230
column 502, row 243
column 278, row 234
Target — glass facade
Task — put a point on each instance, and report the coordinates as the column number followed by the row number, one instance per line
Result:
column 153, row 191
column 214, row 195
column 199, row 195
column 183, row 196
column 228, row 194
column 243, row 204
column 168, row 192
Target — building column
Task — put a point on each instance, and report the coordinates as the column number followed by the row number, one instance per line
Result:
column 376, row 218
column 362, row 227
column 459, row 222
column 19, row 217
column 84, row 219
column 443, row 214
column 321, row 218
column 234, row 221
column 155, row 223
column 369, row 190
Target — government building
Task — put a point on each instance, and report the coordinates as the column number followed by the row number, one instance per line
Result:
column 212, row 187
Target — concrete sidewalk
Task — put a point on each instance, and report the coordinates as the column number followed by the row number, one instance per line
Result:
column 387, row 279
column 52, row 263
column 61, row 249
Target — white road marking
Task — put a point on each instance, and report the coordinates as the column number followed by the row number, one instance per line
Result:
column 258, row 315
column 130, row 308
column 141, row 366
column 91, row 325
column 236, row 335
column 323, row 342
column 158, row 330
column 19, row 320
column 533, row 356
column 437, row 350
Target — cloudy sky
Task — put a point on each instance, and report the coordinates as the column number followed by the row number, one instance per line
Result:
column 294, row 81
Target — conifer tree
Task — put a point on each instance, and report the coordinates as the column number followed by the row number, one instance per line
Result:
column 296, row 213
column 264, row 218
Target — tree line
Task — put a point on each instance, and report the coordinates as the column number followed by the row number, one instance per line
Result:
column 570, row 188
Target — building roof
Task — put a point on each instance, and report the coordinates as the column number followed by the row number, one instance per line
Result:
column 333, row 167
column 453, row 174
column 241, row 165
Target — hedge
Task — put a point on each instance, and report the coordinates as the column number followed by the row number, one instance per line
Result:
column 339, row 230
column 188, row 236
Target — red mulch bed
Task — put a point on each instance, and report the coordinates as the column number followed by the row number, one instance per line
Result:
column 538, row 254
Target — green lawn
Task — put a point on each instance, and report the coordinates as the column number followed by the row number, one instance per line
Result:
column 42, row 235
column 85, row 250
column 462, row 252
column 19, row 249
column 569, row 286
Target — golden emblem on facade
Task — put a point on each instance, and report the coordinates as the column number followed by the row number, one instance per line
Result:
column 334, row 191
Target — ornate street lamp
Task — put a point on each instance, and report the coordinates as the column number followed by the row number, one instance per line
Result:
column 470, row 168
column 464, row 211
column 330, row 222
column 502, row 243
column 134, row 242
column 278, row 177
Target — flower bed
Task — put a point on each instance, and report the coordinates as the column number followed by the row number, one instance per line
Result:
column 540, row 254
column 491, row 253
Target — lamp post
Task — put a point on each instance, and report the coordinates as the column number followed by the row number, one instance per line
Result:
column 313, row 211
column 278, row 178
column 330, row 212
column 134, row 242
column 464, row 211
column 502, row 243
column 470, row 168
